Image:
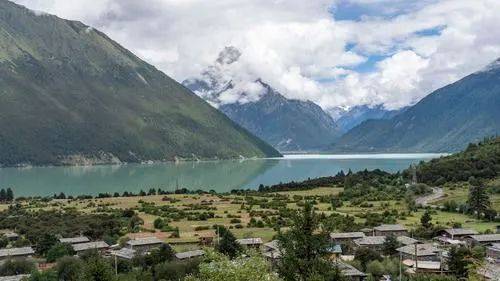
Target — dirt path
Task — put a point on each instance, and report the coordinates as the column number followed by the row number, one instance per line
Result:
column 437, row 193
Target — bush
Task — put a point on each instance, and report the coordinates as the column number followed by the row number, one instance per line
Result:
column 59, row 250
column 16, row 267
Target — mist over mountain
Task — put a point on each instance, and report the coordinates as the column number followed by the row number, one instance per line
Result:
column 286, row 124
column 444, row 121
column 71, row 95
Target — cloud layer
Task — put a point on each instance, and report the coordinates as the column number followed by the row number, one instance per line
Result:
column 333, row 52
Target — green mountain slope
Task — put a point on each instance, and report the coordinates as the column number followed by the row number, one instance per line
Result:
column 444, row 121
column 69, row 94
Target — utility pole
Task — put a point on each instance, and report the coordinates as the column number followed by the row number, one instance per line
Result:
column 416, row 258
column 400, row 265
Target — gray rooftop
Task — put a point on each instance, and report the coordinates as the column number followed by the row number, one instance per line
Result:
column 390, row 227
column 349, row 270
column 460, row 231
column 89, row 246
column 144, row 241
column 347, row 235
column 74, row 240
column 125, row 253
column 422, row 250
column 405, row 240
column 11, row 235
column 190, row 254
column 486, row 237
column 24, row 251
column 272, row 245
column 250, row 241
column 14, row 277
column 370, row 240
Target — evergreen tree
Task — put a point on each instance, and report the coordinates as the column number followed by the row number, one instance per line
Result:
column 459, row 261
column 304, row 249
column 227, row 245
column 390, row 245
column 426, row 219
column 3, row 195
column 9, row 196
column 478, row 201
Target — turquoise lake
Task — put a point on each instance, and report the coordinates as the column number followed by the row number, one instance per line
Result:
column 221, row 176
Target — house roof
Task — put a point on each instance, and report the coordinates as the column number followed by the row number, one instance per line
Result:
column 272, row 245
column 460, row 231
column 370, row 240
column 334, row 249
column 125, row 253
column 274, row 254
column 24, row 251
column 190, row 254
column 347, row 235
column 405, row 240
column 349, row 270
column 486, row 237
column 89, row 246
column 390, row 227
column 433, row 265
column 14, row 277
column 74, row 240
column 250, row 241
column 422, row 250
column 144, row 241
column 11, row 235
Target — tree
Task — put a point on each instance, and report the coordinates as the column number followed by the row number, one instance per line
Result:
column 59, row 250
column 9, row 196
column 220, row 268
column 478, row 201
column 390, row 245
column 3, row 195
column 69, row 269
column 159, row 223
column 49, row 275
column 97, row 269
column 459, row 261
column 366, row 255
column 16, row 267
column 304, row 249
column 45, row 242
column 227, row 245
column 426, row 219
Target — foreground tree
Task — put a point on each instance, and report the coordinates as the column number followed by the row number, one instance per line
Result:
column 220, row 268
column 390, row 245
column 459, row 261
column 227, row 244
column 304, row 249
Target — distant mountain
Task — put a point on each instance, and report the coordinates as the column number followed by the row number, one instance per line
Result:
column 358, row 114
column 286, row 124
column 71, row 95
column 444, row 121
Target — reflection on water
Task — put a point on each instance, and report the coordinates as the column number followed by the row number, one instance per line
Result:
column 218, row 175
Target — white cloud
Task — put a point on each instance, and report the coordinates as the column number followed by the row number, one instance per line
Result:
column 299, row 48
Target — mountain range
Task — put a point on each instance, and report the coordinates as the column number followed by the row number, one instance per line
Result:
column 348, row 119
column 71, row 95
column 286, row 124
column 444, row 121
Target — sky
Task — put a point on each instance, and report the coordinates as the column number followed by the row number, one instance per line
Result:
column 337, row 53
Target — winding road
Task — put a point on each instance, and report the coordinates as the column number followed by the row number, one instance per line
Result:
column 436, row 194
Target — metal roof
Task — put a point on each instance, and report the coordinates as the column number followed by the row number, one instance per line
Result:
column 250, row 241
column 272, row 245
column 190, row 254
column 14, row 277
column 125, row 253
column 144, row 241
column 486, row 237
column 335, row 249
column 24, row 251
column 433, row 265
column 347, row 235
column 405, row 240
column 349, row 270
column 89, row 246
column 390, row 227
column 460, row 231
column 74, row 240
column 370, row 240
column 422, row 250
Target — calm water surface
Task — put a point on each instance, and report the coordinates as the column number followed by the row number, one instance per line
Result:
column 218, row 175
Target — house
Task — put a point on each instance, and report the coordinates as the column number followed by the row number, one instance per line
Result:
column 483, row 239
column 15, row 277
column 23, row 252
column 190, row 254
column 457, row 233
column 206, row 240
column 143, row 245
column 11, row 236
column 250, row 242
column 80, row 248
column 422, row 266
column 334, row 251
column 124, row 253
column 390, row 229
column 377, row 242
column 272, row 251
column 74, row 240
column 425, row 252
column 350, row 272
column 346, row 239
column 493, row 252
column 490, row 271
